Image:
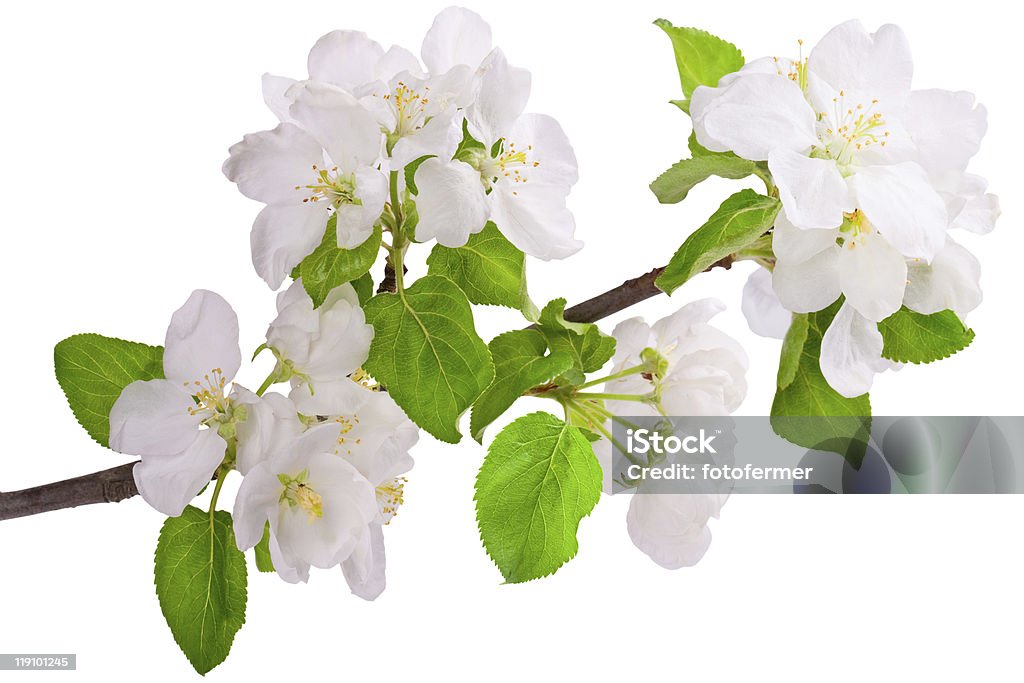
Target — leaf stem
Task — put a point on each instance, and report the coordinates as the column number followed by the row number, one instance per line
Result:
column 216, row 493
column 635, row 370
column 616, row 397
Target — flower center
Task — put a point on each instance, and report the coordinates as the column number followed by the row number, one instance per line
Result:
column 850, row 127
column 346, row 442
column 506, row 163
column 390, row 496
column 212, row 406
column 855, row 225
column 409, row 108
column 297, row 493
column 332, row 186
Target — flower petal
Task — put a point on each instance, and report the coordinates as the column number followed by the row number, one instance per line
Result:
column 903, row 206
column 270, row 427
column 292, row 574
column 347, row 59
column 396, row 60
column 873, row 276
column 951, row 281
column 457, row 36
column 813, row 192
column 355, row 221
column 669, row 528
column 752, row 115
column 878, row 64
column 968, row 205
column 851, row 352
column 452, row 203
column 340, row 397
column 550, row 159
column 793, row 244
column 807, row 286
column 440, row 137
column 169, row 483
column 535, row 219
column 154, row 417
column 946, row 127
column 274, row 89
column 268, row 166
column 765, row 314
column 347, row 130
column 256, row 501
column 202, row 337
column 365, row 571
column 502, row 93
column 284, row 235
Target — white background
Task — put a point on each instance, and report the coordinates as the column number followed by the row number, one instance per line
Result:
column 115, row 120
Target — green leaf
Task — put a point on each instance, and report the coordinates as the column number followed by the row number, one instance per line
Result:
column 410, row 172
column 673, row 185
column 264, row 563
column 539, row 479
column 330, row 266
column 364, row 288
column 201, row 584
column 806, row 410
column 698, row 151
column 93, row 369
column 792, row 350
column 738, row 222
column 519, row 365
column 912, row 337
column 427, row 353
column 702, row 59
column 488, row 268
column 589, row 348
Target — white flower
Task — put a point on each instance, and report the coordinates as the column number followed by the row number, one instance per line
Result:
column 416, row 109
column 834, row 131
column 519, row 178
column 179, row 424
column 706, row 372
column 316, row 347
column 318, row 505
column 764, row 312
column 672, row 528
column 457, row 38
column 270, row 427
column 871, row 175
column 375, row 436
column 704, row 375
column 325, row 162
column 371, row 437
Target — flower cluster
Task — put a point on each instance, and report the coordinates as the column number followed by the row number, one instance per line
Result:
column 322, row 467
column 373, row 134
column 872, row 179
column 681, row 365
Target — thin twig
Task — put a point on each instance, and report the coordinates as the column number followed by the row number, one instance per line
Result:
column 117, row 483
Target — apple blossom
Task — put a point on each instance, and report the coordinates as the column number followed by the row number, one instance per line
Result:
column 871, row 176
column 375, row 436
column 329, row 165
column 181, row 425
column 317, row 505
column 317, row 347
column 699, row 370
column 518, row 176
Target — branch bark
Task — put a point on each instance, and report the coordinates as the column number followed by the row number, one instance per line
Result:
column 117, row 483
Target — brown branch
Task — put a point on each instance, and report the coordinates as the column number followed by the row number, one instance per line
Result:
column 625, row 295
column 390, row 282
column 108, row 486
column 117, row 483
